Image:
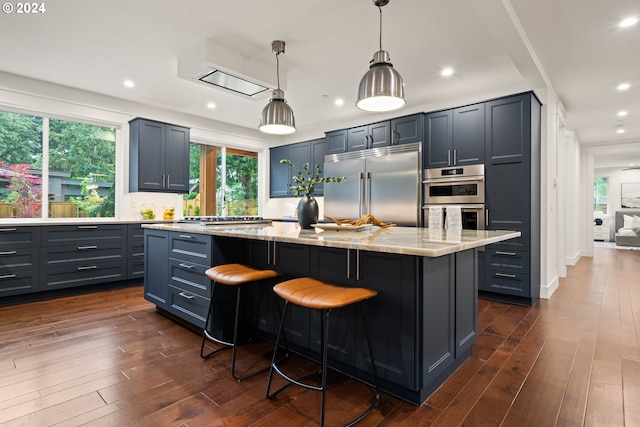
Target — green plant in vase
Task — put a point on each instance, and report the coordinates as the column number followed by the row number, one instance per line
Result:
column 305, row 180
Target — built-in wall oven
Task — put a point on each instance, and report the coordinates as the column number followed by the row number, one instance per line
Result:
column 458, row 186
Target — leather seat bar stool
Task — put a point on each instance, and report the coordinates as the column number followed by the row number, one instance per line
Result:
column 236, row 276
column 323, row 297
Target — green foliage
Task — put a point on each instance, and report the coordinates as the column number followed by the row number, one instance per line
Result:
column 307, row 179
column 82, row 149
column 20, row 138
column 90, row 200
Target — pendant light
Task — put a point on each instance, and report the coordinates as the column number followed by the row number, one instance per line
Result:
column 381, row 88
column 277, row 117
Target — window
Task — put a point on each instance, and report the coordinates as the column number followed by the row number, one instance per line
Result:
column 224, row 181
column 600, row 190
column 77, row 159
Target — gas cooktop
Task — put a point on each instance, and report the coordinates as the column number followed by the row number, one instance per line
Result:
column 224, row 220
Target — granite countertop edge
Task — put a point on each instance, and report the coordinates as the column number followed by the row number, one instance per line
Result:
column 399, row 240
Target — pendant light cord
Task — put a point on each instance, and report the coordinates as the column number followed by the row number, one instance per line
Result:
column 380, row 9
column 278, row 70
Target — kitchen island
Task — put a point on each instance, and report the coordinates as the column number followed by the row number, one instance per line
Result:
column 422, row 322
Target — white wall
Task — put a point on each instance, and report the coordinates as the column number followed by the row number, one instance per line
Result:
column 572, row 217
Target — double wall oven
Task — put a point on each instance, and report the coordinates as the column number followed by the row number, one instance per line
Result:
column 458, row 186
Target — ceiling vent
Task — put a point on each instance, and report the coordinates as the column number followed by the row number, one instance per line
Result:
column 220, row 67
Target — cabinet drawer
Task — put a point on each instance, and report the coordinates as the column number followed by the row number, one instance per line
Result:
column 19, row 259
column 189, row 276
column 19, row 237
column 507, row 260
column 18, row 282
column 82, row 254
column 507, row 283
column 521, row 243
column 190, row 247
column 188, row 306
column 135, row 232
column 135, row 269
column 84, row 234
column 87, row 274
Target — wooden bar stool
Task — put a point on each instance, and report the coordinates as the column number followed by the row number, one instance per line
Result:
column 236, row 276
column 317, row 295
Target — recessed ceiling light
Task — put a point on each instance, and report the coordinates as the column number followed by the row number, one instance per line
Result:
column 623, row 86
column 620, row 131
column 622, row 113
column 628, row 22
column 211, row 105
column 446, row 72
column 339, row 102
column 128, row 83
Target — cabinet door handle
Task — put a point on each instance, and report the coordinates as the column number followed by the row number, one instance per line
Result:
column 509, row 276
column 357, row 264
column 506, row 253
column 448, row 157
column 274, row 253
column 186, row 236
column 348, row 263
column 87, row 227
column 88, row 267
column 163, row 180
column 168, row 181
column 8, row 229
column 455, row 157
column 8, row 253
column 486, row 218
column 86, row 248
column 7, row 276
column 185, row 295
column 186, row 266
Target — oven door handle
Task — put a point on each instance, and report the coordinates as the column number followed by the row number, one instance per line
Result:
column 453, row 179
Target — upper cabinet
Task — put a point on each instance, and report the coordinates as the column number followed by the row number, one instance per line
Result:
column 281, row 176
column 335, row 141
column 159, row 157
column 370, row 136
column 455, row 137
column 407, row 129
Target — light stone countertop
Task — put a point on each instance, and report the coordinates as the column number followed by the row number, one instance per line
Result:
column 398, row 240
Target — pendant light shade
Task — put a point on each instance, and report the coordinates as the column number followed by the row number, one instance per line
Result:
column 277, row 117
column 381, row 88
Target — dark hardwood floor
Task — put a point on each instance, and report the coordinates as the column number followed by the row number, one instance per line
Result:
column 108, row 359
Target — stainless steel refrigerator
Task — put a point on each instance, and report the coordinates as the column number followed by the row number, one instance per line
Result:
column 385, row 182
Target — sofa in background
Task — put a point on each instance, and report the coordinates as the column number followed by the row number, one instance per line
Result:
column 626, row 240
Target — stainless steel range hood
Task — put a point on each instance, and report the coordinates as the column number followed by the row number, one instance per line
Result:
column 217, row 66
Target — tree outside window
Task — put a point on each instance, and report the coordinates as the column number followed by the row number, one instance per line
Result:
column 600, row 200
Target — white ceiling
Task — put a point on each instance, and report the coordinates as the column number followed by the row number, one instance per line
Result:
column 496, row 47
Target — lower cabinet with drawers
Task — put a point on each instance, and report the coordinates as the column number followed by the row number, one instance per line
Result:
column 42, row 258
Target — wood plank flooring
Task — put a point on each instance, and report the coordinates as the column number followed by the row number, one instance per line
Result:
column 109, row 359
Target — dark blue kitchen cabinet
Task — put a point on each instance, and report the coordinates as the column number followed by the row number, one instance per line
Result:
column 407, row 129
column 156, row 278
column 374, row 135
column 19, row 260
column 159, row 157
column 455, row 137
column 81, row 255
column 438, row 139
column 512, row 173
column 278, row 173
column 318, row 149
column 336, row 141
column 135, row 251
column 300, row 153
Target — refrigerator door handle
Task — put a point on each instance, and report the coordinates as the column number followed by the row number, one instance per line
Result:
column 368, row 194
column 360, row 193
